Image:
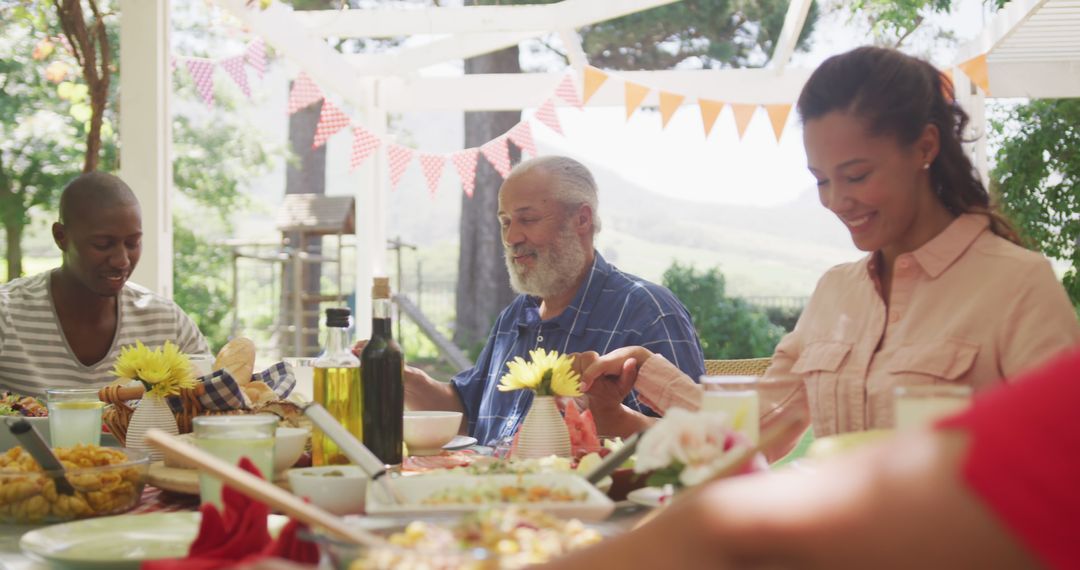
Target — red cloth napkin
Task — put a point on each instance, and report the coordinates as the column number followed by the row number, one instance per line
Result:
column 238, row 535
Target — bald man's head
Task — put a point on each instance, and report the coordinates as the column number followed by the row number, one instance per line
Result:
column 94, row 191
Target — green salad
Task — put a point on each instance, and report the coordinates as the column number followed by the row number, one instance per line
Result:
column 16, row 405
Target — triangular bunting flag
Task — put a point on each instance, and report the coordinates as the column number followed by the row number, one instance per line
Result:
column 546, row 114
column 202, row 73
column 304, row 92
column 234, row 66
column 976, row 70
column 255, row 56
column 778, row 115
column 521, row 135
column 567, row 91
column 498, row 155
column 331, row 120
column 364, row 145
column 669, row 103
column 743, row 113
column 399, row 158
column 594, row 78
column 465, row 163
column 635, row 94
column 172, row 63
column 710, row 110
column 432, row 165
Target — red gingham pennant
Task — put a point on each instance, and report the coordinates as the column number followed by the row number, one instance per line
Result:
column 202, row 72
column 234, row 66
column 465, row 163
column 400, row 157
column 432, row 165
column 363, row 145
column 255, row 56
column 304, row 92
column 331, row 120
column 498, row 155
column 521, row 135
column 172, row 63
column 567, row 91
column 546, row 114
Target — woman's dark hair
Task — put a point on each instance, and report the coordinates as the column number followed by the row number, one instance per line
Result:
column 898, row 95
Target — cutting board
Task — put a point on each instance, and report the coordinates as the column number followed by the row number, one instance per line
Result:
column 186, row 481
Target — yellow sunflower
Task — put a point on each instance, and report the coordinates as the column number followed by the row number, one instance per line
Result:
column 163, row 371
column 546, row 374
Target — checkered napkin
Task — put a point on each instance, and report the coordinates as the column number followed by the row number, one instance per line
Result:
column 224, row 393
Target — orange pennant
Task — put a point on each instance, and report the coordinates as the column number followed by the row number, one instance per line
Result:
column 743, row 113
column 710, row 110
column 778, row 115
column 635, row 94
column 977, row 71
column 594, row 78
column 669, row 103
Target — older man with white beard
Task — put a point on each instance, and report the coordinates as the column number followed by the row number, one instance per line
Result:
column 571, row 300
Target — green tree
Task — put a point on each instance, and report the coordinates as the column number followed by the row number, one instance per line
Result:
column 727, row 326
column 1037, row 179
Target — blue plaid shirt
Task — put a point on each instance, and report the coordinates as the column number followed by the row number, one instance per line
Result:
column 611, row 310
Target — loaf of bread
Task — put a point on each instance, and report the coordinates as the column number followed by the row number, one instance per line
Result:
column 237, row 358
column 259, row 393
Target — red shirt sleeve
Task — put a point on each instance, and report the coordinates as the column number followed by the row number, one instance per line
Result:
column 1024, row 458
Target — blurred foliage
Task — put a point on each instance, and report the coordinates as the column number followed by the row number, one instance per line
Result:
column 893, row 21
column 201, row 283
column 727, row 326
column 1037, row 179
column 783, row 317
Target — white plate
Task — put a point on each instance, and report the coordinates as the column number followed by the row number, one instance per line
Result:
column 119, row 542
column 460, row 442
column 647, row 496
column 595, row 506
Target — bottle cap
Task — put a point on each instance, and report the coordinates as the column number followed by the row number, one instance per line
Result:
column 338, row 317
column 381, row 288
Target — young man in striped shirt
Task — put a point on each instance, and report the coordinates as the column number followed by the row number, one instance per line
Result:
column 65, row 327
column 571, row 301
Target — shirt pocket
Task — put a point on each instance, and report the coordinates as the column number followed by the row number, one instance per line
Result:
column 946, row 360
column 819, row 364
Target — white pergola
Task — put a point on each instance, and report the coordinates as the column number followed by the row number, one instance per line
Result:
column 375, row 85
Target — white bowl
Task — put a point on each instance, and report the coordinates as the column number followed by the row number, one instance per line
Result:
column 426, row 432
column 340, row 494
column 289, row 445
column 7, row 441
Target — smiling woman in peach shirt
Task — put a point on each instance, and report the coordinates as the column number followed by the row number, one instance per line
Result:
column 946, row 296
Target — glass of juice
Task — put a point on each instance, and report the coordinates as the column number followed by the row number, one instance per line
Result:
column 736, row 396
column 920, row 406
column 229, row 438
column 74, row 416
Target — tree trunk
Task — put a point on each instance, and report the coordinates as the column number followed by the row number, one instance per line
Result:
column 483, row 286
column 306, row 175
column 13, row 230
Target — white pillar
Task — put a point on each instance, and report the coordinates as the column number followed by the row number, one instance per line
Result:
column 973, row 102
column 371, row 208
column 145, row 133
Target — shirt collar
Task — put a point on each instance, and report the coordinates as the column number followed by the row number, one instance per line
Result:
column 936, row 255
column 588, row 294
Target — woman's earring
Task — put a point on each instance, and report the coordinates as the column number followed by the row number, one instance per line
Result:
column 926, row 166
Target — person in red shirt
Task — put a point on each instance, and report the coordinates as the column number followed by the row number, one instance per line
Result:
column 992, row 487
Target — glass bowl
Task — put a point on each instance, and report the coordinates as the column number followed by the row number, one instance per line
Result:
column 107, row 481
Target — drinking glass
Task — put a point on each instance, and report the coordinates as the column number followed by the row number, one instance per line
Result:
column 736, row 396
column 304, row 371
column 229, row 438
column 921, row 406
column 74, row 416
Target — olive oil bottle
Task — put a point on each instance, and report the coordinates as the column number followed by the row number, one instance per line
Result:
column 337, row 387
column 382, row 369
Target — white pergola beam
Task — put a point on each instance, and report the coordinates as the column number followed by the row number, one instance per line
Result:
column 1004, row 23
column 540, row 18
column 1041, row 80
column 505, row 92
column 438, row 51
column 794, row 21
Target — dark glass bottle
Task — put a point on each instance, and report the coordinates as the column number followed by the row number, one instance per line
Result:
column 337, row 387
column 382, row 369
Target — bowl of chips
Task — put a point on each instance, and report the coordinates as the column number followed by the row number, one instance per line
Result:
column 106, row 481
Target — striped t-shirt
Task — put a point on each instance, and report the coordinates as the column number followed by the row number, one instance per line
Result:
column 34, row 355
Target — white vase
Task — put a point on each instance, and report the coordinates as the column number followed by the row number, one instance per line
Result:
column 153, row 412
column 543, row 432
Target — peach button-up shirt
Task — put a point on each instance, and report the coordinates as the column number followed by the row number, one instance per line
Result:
column 968, row 307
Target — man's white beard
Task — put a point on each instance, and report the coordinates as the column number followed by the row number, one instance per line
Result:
column 557, row 267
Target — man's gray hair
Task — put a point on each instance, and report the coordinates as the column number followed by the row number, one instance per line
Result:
column 574, row 184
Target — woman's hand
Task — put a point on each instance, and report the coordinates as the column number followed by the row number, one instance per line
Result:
column 614, row 364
